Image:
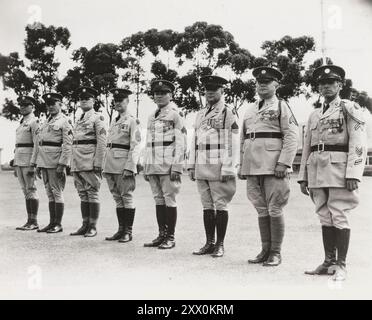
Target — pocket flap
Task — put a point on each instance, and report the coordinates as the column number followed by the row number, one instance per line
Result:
column 120, row 153
column 337, row 157
column 273, row 144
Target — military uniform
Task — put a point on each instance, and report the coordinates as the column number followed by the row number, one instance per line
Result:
column 122, row 152
column 53, row 151
column 214, row 153
column 88, row 149
column 165, row 151
column 334, row 150
column 268, row 137
column 24, row 155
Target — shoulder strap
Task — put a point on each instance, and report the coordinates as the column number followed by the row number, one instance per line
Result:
column 280, row 112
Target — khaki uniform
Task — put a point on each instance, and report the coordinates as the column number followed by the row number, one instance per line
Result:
column 214, row 152
column 25, row 154
column 325, row 171
column 88, row 151
column 165, row 152
column 259, row 155
column 54, row 148
column 122, row 152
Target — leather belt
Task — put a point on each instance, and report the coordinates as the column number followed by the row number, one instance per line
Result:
column 118, row 145
column 24, row 145
column 92, row 141
column 50, row 143
column 254, row 135
column 210, row 146
column 328, row 147
column 161, row 143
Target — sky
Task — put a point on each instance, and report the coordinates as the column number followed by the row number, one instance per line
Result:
column 347, row 23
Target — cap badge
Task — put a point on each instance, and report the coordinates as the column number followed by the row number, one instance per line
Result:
column 327, row 71
column 263, row 71
column 160, row 83
column 84, row 90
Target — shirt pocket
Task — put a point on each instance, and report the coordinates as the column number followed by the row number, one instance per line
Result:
column 273, row 144
column 338, row 157
column 120, row 153
column 86, row 149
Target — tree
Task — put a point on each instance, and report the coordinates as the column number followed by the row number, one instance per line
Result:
column 200, row 45
column 287, row 54
column 38, row 74
column 98, row 67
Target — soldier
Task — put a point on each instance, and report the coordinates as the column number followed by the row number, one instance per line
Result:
column 88, row 149
column 332, row 165
column 24, row 155
column 213, row 161
column 164, row 161
column 53, row 156
column 120, row 164
column 268, row 143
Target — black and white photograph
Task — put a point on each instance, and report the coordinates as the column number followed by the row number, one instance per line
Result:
column 200, row 150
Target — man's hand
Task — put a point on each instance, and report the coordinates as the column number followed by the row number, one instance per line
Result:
column 60, row 171
column 352, row 184
column 38, row 172
column 226, row 177
column 15, row 173
column 98, row 171
column 192, row 174
column 280, row 170
column 127, row 173
column 31, row 172
column 146, row 177
column 175, row 176
column 304, row 188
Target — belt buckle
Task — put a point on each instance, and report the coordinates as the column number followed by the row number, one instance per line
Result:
column 41, row 143
column 109, row 145
column 253, row 135
column 320, row 147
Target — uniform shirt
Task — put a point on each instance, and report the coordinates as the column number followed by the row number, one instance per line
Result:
column 259, row 156
column 26, row 133
column 342, row 124
column 87, row 156
column 165, row 141
column 214, row 148
column 123, row 130
column 56, row 129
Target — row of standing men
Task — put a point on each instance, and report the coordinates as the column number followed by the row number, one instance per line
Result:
column 332, row 163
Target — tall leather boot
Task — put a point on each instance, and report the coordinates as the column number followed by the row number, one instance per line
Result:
column 57, row 227
column 28, row 210
column 34, row 208
column 160, row 217
column 52, row 214
column 171, row 219
column 265, row 233
column 329, row 244
column 209, row 219
column 277, row 235
column 342, row 244
column 84, row 208
column 221, row 224
column 128, row 223
column 120, row 212
column 93, row 217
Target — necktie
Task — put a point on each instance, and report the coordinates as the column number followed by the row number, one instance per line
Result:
column 326, row 107
column 260, row 104
column 50, row 118
column 82, row 116
column 157, row 113
column 22, row 120
column 209, row 110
